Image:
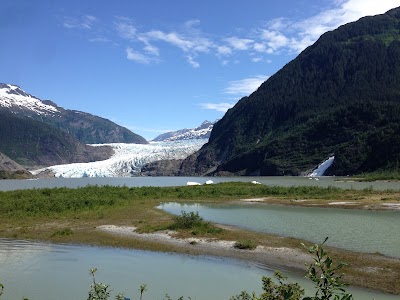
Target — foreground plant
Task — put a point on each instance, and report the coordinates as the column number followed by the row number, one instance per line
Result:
column 274, row 291
column 322, row 272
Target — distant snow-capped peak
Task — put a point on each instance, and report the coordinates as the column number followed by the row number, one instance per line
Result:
column 201, row 132
column 13, row 97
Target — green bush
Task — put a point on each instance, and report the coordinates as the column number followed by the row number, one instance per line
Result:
column 187, row 220
column 245, row 245
column 194, row 222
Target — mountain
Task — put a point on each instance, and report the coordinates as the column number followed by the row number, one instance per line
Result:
column 127, row 160
column 340, row 97
column 32, row 143
column 201, row 132
column 9, row 169
column 87, row 128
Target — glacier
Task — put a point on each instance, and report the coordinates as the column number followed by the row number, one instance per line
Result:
column 127, row 159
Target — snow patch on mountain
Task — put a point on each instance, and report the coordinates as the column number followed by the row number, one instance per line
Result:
column 201, row 132
column 12, row 96
column 127, row 160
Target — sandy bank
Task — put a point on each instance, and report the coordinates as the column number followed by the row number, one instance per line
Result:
column 367, row 204
column 269, row 257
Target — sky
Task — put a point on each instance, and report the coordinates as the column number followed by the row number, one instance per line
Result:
column 156, row 66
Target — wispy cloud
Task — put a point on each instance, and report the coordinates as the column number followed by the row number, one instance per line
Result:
column 239, row 43
column 220, row 107
column 190, row 41
column 245, row 86
column 84, row 22
column 137, row 56
column 296, row 35
column 280, row 35
column 99, row 40
column 125, row 29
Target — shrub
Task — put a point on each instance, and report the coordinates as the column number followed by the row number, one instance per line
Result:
column 187, row 220
column 245, row 245
column 63, row 232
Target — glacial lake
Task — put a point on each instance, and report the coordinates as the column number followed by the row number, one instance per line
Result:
column 357, row 230
column 339, row 182
column 43, row 271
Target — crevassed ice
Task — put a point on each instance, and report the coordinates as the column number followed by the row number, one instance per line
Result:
column 128, row 159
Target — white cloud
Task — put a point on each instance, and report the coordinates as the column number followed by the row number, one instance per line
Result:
column 192, row 23
column 137, row 56
column 305, row 32
column 245, row 86
column 224, row 50
column 125, row 29
column 84, row 22
column 239, row 43
column 193, row 62
column 221, row 107
column 191, row 45
column 280, row 35
column 152, row 50
column 172, row 38
column 275, row 40
column 257, row 59
column 99, row 40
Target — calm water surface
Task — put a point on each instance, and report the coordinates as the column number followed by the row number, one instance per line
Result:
column 60, row 272
column 7, row 185
column 358, row 230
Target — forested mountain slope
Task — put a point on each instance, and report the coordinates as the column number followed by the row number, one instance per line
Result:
column 87, row 128
column 340, row 96
column 32, row 143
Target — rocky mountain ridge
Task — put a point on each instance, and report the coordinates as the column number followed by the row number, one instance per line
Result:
column 87, row 128
column 201, row 132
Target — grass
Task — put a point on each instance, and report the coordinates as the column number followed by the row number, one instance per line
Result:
column 379, row 175
column 72, row 215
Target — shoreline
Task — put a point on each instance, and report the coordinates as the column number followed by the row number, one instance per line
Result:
column 364, row 267
column 270, row 257
column 359, row 204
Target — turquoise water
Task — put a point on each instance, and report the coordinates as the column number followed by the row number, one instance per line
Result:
column 357, row 230
column 61, row 272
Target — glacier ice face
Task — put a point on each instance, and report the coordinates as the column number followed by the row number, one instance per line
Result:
column 127, row 159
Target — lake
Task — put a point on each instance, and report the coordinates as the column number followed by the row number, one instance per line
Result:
column 352, row 229
column 8, row 185
column 43, row 271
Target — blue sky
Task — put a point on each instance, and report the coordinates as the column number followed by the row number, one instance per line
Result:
column 156, row 65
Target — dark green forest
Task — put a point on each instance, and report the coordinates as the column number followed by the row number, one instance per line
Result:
column 340, row 96
column 33, row 143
